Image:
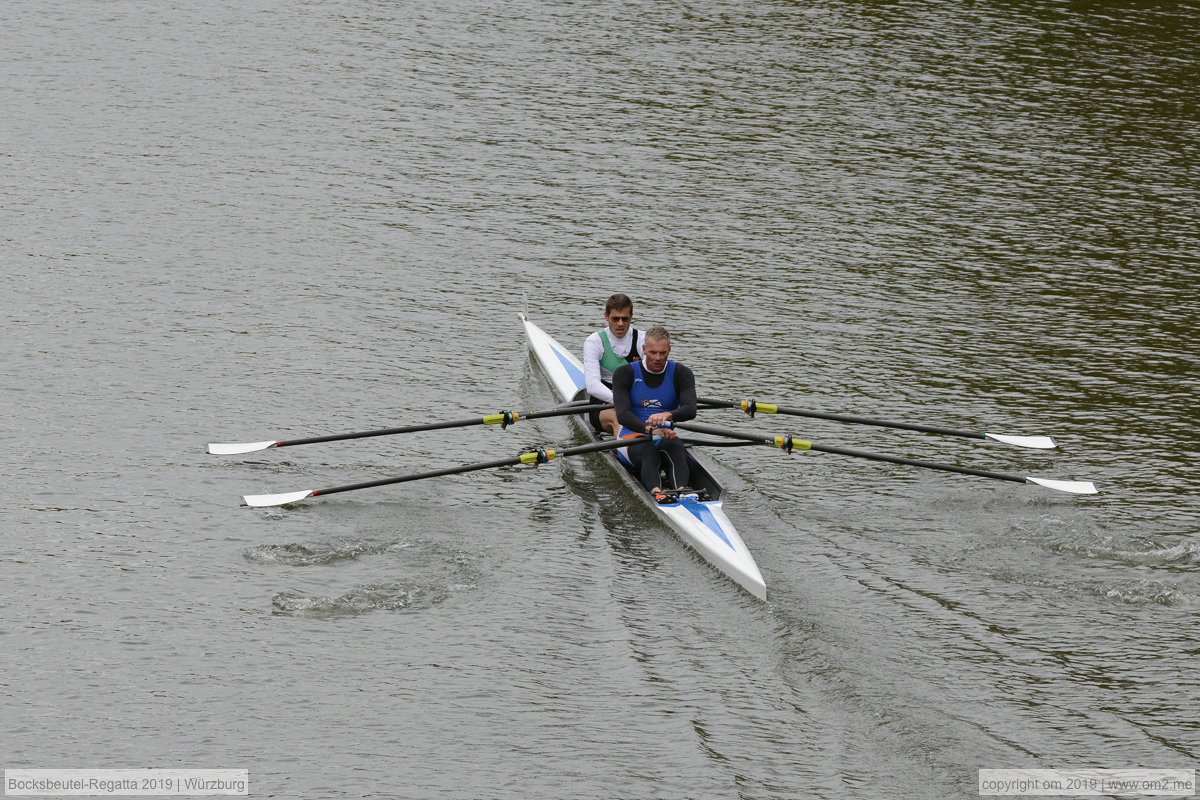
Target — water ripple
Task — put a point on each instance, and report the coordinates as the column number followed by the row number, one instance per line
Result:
column 366, row 598
column 294, row 554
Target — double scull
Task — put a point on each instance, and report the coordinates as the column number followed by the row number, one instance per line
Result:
column 701, row 523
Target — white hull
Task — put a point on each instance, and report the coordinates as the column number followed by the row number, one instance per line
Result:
column 703, row 525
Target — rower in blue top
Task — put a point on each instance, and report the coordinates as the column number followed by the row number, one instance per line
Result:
column 649, row 397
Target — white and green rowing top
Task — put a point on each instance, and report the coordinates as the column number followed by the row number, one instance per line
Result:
column 602, row 353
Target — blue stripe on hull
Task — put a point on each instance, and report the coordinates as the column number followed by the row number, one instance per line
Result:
column 573, row 371
column 702, row 512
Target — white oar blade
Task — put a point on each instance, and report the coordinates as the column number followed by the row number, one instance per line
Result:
column 261, row 500
column 1039, row 442
column 1074, row 487
column 233, row 448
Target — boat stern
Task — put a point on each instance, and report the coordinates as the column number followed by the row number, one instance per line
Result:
column 562, row 368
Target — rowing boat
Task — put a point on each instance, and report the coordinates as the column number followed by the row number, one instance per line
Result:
column 702, row 523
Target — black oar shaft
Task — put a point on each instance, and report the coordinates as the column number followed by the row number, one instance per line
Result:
column 915, row 463
column 532, row 457
column 504, row 462
column 710, row 443
column 491, row 419
column 337, row 437
column 777, row 441
column 770, row 408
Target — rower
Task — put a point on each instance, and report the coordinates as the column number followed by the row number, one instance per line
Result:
column 649, row 397
column 606, row 350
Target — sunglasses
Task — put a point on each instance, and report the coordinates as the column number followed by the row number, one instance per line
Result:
column 620, row 319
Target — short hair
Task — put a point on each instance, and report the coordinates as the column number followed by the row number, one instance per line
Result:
column 618, row 301
column 657, row 332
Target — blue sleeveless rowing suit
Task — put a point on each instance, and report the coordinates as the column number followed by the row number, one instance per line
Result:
column 644, row 401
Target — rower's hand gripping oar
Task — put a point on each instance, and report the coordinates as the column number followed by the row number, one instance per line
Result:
column 503, row 419
column 752, row 407
column 538, row 456
column 789, row 443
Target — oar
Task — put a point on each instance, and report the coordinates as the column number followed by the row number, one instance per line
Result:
column 789, row 444
column 539, row 456
column 503, row 419
column 711, row 443
column 752, row 407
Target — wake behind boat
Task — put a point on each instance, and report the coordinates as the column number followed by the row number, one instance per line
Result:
column 701, row 523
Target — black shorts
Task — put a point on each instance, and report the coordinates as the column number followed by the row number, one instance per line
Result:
column 594, row 416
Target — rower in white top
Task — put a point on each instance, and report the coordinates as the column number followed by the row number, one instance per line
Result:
column 605, row 350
